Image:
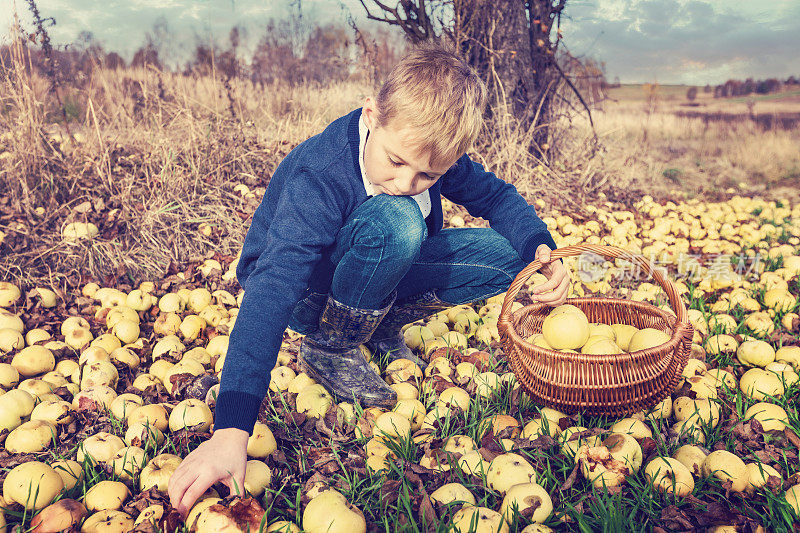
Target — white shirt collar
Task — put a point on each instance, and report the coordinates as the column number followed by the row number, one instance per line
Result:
column 363, row 132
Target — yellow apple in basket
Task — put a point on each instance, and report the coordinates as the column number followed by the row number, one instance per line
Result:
column 623, row 334
column 566, row 327
column 647, row 338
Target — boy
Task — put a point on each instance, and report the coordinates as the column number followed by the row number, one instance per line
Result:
column 347, row 247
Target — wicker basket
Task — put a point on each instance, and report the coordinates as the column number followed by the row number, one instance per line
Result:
column 598, row 384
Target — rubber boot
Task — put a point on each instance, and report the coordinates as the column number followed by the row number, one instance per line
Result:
column 332, row 357
column 388, row 338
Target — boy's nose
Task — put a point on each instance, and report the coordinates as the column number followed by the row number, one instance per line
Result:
column 406, row 186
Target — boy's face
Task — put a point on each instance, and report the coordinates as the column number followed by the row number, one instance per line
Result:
column 391, row 161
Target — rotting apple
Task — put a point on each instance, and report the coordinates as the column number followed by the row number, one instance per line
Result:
column 109, row 521
column 150, row 515
column 471, row 519
column 144, row 435
column 197, row 509
column 600, row 468
column 64, row 514
column 529, row 498
column 56, row 412
column 571, row 441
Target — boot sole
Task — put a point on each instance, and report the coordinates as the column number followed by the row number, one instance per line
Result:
column 421, row 363
column 325, row 382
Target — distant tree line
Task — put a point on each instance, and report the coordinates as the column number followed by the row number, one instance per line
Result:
column 750, row 86
column 287, row 50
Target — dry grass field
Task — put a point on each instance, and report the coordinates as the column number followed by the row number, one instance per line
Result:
column 166, row 152
column 650, row 144
column 119, row 230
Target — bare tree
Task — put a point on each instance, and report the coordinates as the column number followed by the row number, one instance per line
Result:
column 512, row 44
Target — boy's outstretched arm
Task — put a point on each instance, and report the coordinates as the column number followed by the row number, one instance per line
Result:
column 305, row 219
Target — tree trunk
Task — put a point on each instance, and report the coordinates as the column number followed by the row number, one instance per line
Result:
column 494, row 36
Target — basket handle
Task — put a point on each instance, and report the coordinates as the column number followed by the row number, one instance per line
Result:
column 606, row 251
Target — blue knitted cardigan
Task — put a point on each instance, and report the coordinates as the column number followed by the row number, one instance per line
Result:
column 286, row 250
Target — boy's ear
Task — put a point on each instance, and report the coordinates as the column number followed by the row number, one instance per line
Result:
column 369, row 111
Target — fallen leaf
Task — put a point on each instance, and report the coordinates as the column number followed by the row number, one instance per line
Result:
column 792, row 436
column 570, row 478
column 83, row 207
column 390, row 491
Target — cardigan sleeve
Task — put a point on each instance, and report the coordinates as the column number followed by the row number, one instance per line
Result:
column 485, row 195
column 307, row 216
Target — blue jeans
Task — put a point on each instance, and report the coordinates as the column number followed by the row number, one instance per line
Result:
column 384, row 245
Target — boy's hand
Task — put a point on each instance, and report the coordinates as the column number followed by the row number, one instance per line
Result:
column 554, row 291
column 222, row 457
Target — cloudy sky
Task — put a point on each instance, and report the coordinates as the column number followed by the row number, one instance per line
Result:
column 669, row 41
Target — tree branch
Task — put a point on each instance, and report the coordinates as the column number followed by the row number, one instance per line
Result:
column 577, row 93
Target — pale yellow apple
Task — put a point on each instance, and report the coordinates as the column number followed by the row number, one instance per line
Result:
column 727, row 466
column 32, row 484
column 566, row 329
column 485, row 520
column 755, row 353
column 452, row 492
column 670, row 476
column 647, row 338
column 507, row 470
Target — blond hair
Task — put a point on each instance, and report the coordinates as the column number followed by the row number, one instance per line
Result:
column 436, row 94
